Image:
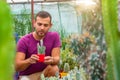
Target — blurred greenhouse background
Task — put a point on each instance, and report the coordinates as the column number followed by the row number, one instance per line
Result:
column 63, row 13
column 80, row 25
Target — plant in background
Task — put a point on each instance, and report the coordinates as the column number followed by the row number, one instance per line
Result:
column 66, row 67
column 95, row 67
column 75, row 74
column 63, row 34
column 67, row 57
column 81, row 46
column 22, row 23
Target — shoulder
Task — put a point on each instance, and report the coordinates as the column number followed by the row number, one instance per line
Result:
column 54, row 37
column 53, row 34
column 25, row 38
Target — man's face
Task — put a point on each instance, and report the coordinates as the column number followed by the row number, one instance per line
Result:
column 42, row 25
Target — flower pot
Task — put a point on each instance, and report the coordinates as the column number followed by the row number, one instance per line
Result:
column 41, row 57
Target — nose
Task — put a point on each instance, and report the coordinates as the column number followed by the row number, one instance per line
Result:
column 42, row 26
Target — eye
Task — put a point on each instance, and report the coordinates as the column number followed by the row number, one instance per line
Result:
column 46, row 25
column 39, row 24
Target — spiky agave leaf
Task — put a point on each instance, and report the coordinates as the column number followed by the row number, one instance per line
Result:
column 110, row 22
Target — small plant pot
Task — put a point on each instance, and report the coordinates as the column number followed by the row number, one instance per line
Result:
column 41, row 57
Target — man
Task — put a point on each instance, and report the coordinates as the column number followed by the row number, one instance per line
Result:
column 26, row 60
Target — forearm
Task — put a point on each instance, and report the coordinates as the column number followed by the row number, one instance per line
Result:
column 52, row 60
column 55, row 56
column 55, row 60
column 22, row 65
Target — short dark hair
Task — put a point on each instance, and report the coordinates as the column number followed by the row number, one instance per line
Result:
column 43, row 14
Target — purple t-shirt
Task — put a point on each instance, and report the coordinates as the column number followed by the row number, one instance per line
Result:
column 28, row 45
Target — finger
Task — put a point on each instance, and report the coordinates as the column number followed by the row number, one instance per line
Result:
column 34, row 57
column 49, row 61
column 47, row 57
column 32, row 60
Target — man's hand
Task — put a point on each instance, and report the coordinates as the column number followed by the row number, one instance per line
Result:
column 21, row 63
column 48, row 60
column 33, row 59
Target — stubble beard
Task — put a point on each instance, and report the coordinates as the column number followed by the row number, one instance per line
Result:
column 40, row 34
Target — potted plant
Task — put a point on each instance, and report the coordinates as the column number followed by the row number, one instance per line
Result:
column 41, row 51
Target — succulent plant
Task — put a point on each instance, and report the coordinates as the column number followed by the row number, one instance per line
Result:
column 41, row 48
column 75, row 74
column 96, row 69
column 66, row 67
column 67, row 57
column 78, row 76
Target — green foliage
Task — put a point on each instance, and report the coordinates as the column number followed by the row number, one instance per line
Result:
column 83, row 47
column 7, row 42
column 50, row 78
column 67, row 57
column 109, row 8
column 96, row 69
column 62, row 32
column 79, row 46
column 22, row 23
column 75, row 74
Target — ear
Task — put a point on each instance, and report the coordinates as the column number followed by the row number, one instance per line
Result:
column 51, row 25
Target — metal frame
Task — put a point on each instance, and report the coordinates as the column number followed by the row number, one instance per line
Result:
column 32, row 6
column 34, row 1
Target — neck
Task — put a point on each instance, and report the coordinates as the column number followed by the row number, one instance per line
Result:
column 36, row 36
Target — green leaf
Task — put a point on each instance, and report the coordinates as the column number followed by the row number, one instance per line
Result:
column 6, row 42
column 110, row 22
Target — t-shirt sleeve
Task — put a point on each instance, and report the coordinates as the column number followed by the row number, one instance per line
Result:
column 21, row 46
column 57, row 42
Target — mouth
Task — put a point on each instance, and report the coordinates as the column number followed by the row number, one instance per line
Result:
column 41, row 33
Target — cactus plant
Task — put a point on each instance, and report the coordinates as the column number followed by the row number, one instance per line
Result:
column 78, row 76
column 96, row 70
column 46, row 78
column 75, row 74
column 41, row 51
column 67, row 57
column 66, row 67
column 41, row 48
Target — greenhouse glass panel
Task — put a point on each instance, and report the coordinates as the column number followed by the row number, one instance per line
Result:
column 64, row 15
